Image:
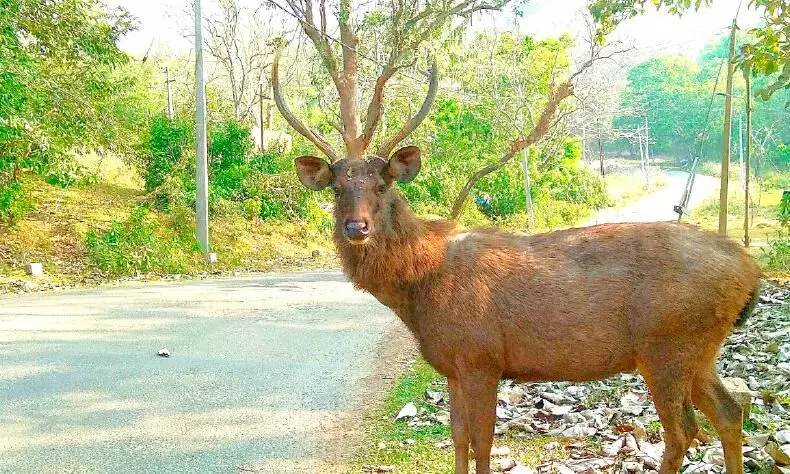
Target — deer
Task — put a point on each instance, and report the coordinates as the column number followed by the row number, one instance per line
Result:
column 576, row 305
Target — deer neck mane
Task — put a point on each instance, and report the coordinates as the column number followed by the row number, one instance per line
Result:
column 401, row 254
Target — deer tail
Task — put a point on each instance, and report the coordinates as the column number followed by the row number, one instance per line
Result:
column 748, row 309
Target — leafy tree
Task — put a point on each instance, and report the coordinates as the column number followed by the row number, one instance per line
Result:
column 768, row 54
column 62, row 83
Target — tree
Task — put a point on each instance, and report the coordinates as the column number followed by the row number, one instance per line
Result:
column 408, row 26
column 242, row 51
column 767, row 55
column 62, row 83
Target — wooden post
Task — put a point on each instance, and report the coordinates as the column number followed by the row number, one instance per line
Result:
column 725, row 158
column 600, row 153
column 170, row 112
column 746, row 162
column 740, row 152
column 647, row 140
column 201, row 178
column 528, row 188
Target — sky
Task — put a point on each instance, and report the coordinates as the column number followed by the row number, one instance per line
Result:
column 162, row 23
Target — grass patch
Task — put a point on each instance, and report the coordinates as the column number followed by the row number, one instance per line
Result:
column 764, row 220
column 629, row 185
column 414, row 450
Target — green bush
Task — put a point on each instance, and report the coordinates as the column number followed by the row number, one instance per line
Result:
column 784, row 210
column 164, row 152
column 776, row 256
column 230, row 145
column 15, row 202
column 142, row 244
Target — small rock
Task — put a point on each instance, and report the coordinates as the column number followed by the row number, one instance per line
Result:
column 442, row 417
column 579, row 432
column 28, row 286
column 714, row 456
column 758, row 440
column 522, row 470
column 163, row 352
column 640, row 432
column 782, row 437
column 505, row 464
column 502, row 451
column 651, row 463
column 551, row 446
column 434, row 397
column 563, row 469
column 316, row 253
column 780, row 454
column 632, row 466
column 740, row 392
column 408, row 411
column 443, row 444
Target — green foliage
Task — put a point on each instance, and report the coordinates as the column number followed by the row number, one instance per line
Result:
column 142, row 244
column 230, row 145
column 784, row 210
column 766, row 54
column 15, row 202
column 63, row 83
column 164, row 150
column 776, row 256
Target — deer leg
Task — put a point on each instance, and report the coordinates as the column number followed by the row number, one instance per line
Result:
column 670, row 385
column 479, row 395
column 458, row 424
column 710, row 396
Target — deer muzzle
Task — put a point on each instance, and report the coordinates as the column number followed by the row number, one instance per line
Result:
column 356, row 230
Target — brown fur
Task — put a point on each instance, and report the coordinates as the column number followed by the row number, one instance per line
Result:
column 579, row 304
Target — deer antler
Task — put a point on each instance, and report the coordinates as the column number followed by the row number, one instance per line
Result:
column 415, row 121
column 289, row 117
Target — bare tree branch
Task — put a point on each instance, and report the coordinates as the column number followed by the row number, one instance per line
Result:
column 540, row 129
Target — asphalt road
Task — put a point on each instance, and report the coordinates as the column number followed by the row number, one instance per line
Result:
column 262, row 370
column 658, row 206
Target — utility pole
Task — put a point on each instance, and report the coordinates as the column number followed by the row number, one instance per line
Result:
column 747, row 161
column 201, row 199
column 528, row 189
column 260, row 109
column 725, row 158
column 169, row 96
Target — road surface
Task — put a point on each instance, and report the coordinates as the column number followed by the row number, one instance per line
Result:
column 658, row 206
column 261, row 369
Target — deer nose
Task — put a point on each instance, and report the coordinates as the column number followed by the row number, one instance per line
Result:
column 357, row 230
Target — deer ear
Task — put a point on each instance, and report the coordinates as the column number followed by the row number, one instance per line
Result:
column 404, row 164
column 313, row 172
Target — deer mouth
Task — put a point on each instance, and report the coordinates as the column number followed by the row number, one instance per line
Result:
column 356, row 231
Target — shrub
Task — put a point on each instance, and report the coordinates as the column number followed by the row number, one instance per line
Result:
column 164, row 152
column 776, row 256
column 142, row 244
column 230, row 145
column 784, row 210
column 15, row 202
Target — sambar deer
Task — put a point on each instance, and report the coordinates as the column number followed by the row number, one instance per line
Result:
column 577, row 305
